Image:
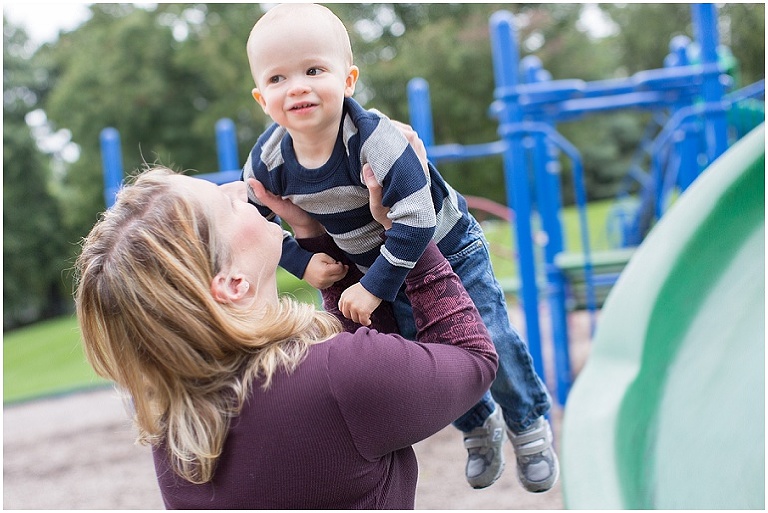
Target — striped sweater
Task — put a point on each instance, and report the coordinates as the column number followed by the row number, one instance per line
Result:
column 421, row 207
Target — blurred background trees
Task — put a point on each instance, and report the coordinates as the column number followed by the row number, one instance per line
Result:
column 164, row 75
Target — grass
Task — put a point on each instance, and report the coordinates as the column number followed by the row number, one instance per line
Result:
column 499, row 235
column 47, row 358
column 43, row 359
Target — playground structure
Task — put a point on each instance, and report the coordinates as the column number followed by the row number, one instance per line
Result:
column 690, row 94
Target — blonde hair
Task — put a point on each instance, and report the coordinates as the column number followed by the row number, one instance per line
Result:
column 150, row 323
column 292, row 15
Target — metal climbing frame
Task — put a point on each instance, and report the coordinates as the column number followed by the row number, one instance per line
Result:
column 527, row 106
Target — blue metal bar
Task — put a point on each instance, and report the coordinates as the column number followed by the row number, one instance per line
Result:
column 112, row 164
column 750, row 91
column 637, row 100
column 421, row 111
column 547, row 183
column 708, row 39
column 662, row 140
column 684, row 169
column 226, row 145
column 450, row 152
column 580, row 194
column 505, row 65
column 682, row 78
column 511, row 131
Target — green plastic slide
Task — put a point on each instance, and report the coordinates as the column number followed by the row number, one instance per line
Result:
column 669, row 411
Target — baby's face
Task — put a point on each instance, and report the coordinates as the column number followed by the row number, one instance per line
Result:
column 302, row 75
column 301, row 62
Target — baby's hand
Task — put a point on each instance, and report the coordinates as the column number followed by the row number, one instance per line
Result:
column 323, row 271
column 358, row 304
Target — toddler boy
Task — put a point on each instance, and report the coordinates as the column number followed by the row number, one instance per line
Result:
column 301, row 61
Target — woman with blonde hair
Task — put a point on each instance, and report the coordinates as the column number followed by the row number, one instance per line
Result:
column 253, row 400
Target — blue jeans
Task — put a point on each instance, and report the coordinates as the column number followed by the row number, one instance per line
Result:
column 517, row 388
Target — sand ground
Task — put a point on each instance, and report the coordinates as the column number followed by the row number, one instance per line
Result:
column 77, row 452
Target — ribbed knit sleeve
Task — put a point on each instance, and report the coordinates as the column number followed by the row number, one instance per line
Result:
column 375, row 140
column 393, row 392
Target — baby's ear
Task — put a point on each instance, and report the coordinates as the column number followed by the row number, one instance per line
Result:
column 259, row 98
column 349, row 84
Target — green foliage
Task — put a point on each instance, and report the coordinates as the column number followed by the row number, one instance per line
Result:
column 163, row 74
column 33, row 242
column 743, row 27
column 638, row 51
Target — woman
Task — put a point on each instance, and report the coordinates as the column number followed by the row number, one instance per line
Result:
column 249, row 399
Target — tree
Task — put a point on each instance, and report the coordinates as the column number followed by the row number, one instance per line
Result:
column 743, row 27
column 163, row 75
column 162, row 78
column 33, row 244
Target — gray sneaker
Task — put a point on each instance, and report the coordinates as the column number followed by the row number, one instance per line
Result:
column 485, row 457
column 537, row 465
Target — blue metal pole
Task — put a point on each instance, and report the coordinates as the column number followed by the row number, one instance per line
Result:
column 505, row 65
column 112, row 164
column 226, row 145
column 421, row 111
column 705, row 29
column 687, row 144
column 547, row 178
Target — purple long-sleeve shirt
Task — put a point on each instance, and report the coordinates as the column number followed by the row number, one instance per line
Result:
column 337, row 432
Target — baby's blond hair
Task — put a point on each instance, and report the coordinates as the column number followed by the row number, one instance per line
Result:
column 291, row 17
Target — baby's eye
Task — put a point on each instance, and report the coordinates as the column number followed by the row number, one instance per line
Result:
column 275, row 79
column 314, row 71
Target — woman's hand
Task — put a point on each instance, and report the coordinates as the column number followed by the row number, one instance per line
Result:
column 378, row 210
column 416, row 143
column 301, row 223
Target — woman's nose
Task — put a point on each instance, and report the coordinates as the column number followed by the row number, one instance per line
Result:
column 235, row 190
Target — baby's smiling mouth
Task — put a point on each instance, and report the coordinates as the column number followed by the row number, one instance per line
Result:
column 301, row 106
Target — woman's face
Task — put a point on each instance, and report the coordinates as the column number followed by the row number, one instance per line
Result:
column 255, row 243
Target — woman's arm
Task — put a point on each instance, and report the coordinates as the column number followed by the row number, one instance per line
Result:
column 394, row 392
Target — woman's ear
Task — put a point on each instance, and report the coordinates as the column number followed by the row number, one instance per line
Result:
column 228, row 289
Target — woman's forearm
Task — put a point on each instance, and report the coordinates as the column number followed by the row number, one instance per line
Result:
column 443, row 311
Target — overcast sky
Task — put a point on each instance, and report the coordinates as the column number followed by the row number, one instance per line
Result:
column 44, row 20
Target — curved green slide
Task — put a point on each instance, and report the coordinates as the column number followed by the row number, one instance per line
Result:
column 669, row 411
